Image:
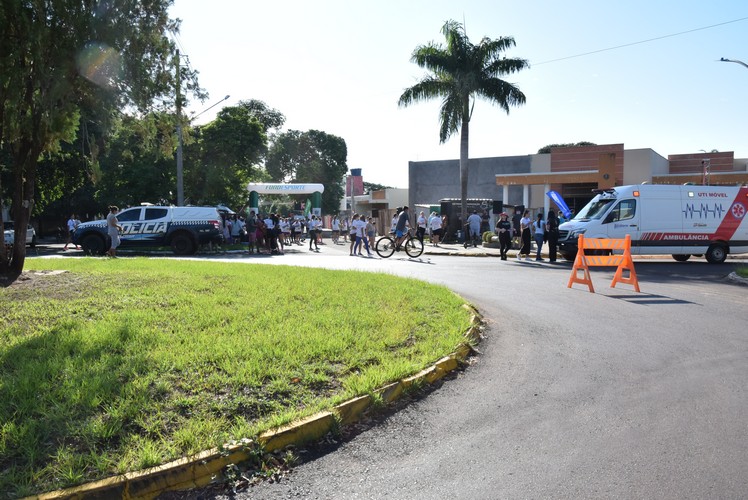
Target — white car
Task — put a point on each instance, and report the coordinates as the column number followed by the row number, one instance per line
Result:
column 9, row 234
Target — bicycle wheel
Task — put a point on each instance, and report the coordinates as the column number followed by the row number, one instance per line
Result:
column 385, row 247
column 413, row 247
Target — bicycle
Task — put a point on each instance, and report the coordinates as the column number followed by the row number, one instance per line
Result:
column 385, row 246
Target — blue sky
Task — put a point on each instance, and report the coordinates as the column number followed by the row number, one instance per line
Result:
column 341, row 65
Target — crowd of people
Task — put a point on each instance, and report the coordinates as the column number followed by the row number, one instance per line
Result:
column 539, row 230
column 271, row 233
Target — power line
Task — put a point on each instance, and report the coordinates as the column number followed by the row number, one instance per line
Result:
column 640, row 42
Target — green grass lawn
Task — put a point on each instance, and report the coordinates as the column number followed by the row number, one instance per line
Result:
column 118, row 365
column 742, row 271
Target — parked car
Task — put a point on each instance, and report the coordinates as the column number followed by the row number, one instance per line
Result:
column 9, row 234
column 183, row 229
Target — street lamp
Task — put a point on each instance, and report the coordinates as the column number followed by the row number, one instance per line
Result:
column 722, row 59
column 210, row 107
column 180, row 169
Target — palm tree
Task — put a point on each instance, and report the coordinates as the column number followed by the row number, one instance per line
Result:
column 460, row 72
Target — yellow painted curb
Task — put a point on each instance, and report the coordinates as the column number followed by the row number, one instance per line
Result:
column 199, row 470
column 350, row 411
column 390, row 392
column 308, row 429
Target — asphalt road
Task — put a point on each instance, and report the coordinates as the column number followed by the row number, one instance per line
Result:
column 615, row 394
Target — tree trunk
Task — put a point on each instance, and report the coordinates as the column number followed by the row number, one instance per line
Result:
column 4, row 268
column 464, row 135
column 25, row 161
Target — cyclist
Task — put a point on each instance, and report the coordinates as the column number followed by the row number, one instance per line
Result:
column 403, row 222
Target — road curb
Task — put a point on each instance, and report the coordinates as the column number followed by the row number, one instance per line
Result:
column 734, row 277
column 201, row 469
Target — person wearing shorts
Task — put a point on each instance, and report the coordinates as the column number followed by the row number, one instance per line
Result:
column 436, row 229
column 403, row 222
column 113, row 229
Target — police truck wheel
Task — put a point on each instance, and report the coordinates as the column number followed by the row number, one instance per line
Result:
column 181, row 244
column 681, row 257
column 716, row 253
column 93, row 244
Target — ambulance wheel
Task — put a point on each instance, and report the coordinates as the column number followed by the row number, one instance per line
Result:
column 681, row 257
column 716, row 253
column 569, row 256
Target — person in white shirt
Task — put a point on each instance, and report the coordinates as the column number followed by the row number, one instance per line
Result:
column 237, row 226
column 72, row 224
column 312, row 228
column 421, row 229
column 271, row 241
column 360, row 225
column 344, row 229
column 335, row 229
column 435, row 223
column 352, row 232
column 296, row 231
column 395, row 217
column 525, row 232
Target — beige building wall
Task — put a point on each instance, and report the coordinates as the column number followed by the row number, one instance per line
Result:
column 539, row 163
column 639, row 165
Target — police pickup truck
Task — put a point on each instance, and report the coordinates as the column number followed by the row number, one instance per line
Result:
column 184, row 229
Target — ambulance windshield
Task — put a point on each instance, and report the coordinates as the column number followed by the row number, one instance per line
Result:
column 595, row 209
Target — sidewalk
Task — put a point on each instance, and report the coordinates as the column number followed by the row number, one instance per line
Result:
column 479, row 251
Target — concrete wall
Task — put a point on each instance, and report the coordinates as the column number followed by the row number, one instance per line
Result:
column 541, row 163
column 641, row 164
column 430, row 181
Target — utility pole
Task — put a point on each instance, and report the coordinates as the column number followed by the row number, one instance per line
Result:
column 180, row 172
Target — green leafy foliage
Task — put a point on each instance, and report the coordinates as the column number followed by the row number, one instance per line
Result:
column 59, row 57
column 313, row 157
column 460, row 72
column 547, row 149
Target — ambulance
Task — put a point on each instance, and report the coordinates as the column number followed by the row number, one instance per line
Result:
column 665, row 219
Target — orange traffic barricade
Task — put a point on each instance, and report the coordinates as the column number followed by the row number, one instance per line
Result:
column 622, row 261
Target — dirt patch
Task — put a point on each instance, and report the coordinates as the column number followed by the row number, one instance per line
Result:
column 54, row 284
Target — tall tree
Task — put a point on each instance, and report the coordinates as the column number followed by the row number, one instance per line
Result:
column 270, row 118
column 138, row 162
column 314, row 157
column 57, row 56
column 231, row 148
column 460, row 72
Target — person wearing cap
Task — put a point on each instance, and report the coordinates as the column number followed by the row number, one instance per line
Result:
column 504, row 230
column 403, row 222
